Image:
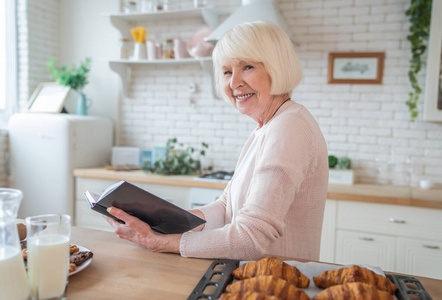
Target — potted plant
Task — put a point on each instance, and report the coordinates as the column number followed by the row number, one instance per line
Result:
column 179, row 160
column 340, row 170
column 75, row 78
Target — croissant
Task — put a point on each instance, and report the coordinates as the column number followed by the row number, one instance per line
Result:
column 247, row 296
column 270, row 285
column 354, row 274
column 275, row 267
column 353, row 291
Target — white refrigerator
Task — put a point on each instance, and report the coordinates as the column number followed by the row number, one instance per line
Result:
column 44, row 150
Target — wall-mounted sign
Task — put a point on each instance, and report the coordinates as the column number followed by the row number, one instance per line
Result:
column 355, row 67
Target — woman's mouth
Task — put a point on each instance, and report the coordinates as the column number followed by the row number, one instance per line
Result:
column 243, row 97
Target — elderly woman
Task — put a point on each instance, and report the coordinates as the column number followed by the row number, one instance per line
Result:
column 274, row 204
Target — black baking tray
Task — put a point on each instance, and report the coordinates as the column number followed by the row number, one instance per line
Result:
column 209, row 288
column 407, row 286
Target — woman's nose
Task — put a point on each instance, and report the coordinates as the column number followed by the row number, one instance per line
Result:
column 236, row 81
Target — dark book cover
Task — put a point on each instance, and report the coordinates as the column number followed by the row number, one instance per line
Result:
column 161, row 215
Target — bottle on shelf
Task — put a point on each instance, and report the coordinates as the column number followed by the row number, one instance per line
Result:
column 124, row 48
column 168, row 52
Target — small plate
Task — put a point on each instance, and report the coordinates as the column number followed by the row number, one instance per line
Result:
column 83, row 265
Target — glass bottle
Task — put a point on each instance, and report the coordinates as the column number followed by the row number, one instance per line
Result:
column 168, row 52
column 124, row 48
column 13, row 278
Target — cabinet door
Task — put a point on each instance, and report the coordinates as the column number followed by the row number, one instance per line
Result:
column 363, row 248
column 419, row 257
column 327, row 253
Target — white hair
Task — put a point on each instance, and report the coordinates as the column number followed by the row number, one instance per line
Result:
column 260, row 42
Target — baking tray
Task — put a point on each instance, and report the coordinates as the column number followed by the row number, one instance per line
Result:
column 215, row 280
column 408, row 285
column 219, row 275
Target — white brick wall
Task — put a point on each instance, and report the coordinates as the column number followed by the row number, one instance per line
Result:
column 370, row 124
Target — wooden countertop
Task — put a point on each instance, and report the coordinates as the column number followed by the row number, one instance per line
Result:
column 415, row 196
column 123, row 270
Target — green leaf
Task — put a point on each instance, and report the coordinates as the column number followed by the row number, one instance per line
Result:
column 419, row 14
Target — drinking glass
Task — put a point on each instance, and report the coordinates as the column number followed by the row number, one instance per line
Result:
column 48, row 255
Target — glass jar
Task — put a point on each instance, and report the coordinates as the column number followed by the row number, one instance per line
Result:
column 124, row 48
column 130, row 6
column 168, row 52
column 13, row 279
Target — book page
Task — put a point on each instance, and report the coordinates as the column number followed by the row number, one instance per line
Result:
column 110, row 189
column 92, row 198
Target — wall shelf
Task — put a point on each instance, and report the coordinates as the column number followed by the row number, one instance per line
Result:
column 122, row 21
column 125, row 21
column 123, row 67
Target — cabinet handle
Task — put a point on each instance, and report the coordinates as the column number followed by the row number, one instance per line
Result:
column 397, row 221
column 431, row 246
column 364, row 238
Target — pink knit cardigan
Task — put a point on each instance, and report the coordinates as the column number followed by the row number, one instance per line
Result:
column 281, row 203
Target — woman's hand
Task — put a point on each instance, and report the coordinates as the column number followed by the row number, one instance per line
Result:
column 140, row 233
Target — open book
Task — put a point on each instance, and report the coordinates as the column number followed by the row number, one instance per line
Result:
column 161, row 215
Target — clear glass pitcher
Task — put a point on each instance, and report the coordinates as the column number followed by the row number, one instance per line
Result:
column 13, row 278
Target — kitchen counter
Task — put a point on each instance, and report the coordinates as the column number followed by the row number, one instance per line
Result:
column 415, row 196
column 123, row 270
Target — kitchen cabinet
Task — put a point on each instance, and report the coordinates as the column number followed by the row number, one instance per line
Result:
column 125, row 21
column 327, row 252
column 85, row 217
column 393, row 237
column 362, row 248
column 419, row 257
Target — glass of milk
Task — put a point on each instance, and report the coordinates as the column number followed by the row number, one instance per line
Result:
column 13, row 279
column 48, row 255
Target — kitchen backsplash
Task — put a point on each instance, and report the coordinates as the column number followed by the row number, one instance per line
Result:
column 368, row 123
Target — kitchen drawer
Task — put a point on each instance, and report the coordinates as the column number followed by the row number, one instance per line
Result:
column 405, row 221
column 419, row 257
column 363, row 248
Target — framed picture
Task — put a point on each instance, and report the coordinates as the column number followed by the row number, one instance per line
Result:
column 355, row 67
column 48, row 97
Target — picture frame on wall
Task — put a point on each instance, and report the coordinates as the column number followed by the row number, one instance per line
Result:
column 48, row 97
column 355, row 67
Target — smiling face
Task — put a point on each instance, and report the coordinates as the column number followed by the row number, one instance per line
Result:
column 248, row 84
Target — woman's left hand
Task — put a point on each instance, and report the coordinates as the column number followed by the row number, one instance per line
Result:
column 140, row 233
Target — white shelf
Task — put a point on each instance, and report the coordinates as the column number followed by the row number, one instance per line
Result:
column 189, row 60
column 124, row 22
column 123, row 67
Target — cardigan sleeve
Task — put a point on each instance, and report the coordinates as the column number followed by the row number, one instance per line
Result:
column 285, row 157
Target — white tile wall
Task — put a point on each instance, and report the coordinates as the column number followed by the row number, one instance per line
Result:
column 368, row 123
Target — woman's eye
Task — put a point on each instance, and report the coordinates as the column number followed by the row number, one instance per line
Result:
column 227, row 73
column 248, row 67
